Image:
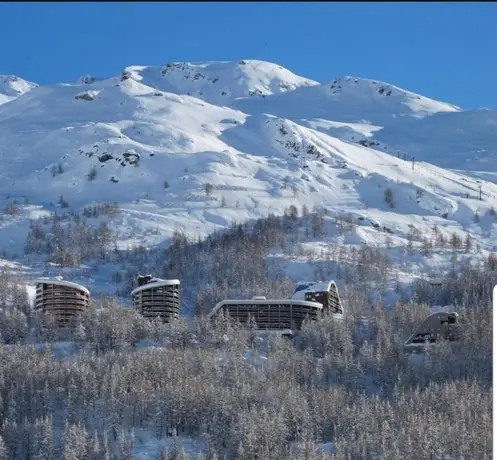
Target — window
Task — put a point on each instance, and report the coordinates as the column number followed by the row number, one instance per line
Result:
column 452, row 319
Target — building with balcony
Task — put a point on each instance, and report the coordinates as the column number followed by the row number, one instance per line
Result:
column 325, row 293
column 155, row 297
column 62, row 299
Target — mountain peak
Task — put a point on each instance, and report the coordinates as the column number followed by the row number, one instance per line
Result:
column 348, row 99
column 220, row 82
column 12, row 86
column 195, row 146
column 365, row 88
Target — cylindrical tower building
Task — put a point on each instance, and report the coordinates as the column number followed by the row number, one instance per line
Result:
column 157, row 297
column 62, row 299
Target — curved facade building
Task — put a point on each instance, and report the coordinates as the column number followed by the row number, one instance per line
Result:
column 325, row 293
column 156, row 297
column 437, row 327
column 270, row 315
column 62, row 299
column 310, row 299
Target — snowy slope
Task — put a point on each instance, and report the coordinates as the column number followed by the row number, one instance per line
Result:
column 390, row 118
column 220, row 82
column 126, row 122
column 12, row 87
column 348, row 99
column 464, row 140
column 198, row 162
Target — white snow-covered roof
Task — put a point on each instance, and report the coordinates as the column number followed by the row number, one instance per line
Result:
column 304, row 284
column 266, row 302
column 60, row 282
column 155, row 282
column 313, row 286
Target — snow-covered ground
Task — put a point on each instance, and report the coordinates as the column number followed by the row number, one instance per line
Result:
column 12, row 87
column 196, row 146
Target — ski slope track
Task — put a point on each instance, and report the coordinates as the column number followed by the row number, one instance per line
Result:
column 262, row 137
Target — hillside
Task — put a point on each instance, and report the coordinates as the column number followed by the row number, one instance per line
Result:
column 242, row 179
column 455, row 140
column 12, row 87
column 348, row 99
column 177, row 154
column 391, row 119
column 220, row 83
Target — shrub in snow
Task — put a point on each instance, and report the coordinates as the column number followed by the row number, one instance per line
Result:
column 492, row 261
column 92, row 174
column 388, row 195
column 208, row 188
column 56, row 170
column 63, row 203
column 455, row 241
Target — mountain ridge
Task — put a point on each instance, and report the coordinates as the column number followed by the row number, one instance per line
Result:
column 177, row 161
column 12, row 86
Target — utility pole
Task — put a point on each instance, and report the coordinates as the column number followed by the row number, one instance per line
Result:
column 480, row 191
column 412, row 162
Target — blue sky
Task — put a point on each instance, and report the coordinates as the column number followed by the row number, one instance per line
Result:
column 441, row 50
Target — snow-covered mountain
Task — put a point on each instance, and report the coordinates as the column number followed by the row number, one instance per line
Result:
column 197, row 146
column 463, row 140
column 220, row 83
column 391, row 119
column 348, row 99
column 12, row 87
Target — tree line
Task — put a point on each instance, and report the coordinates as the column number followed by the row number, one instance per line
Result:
column 346, row 382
